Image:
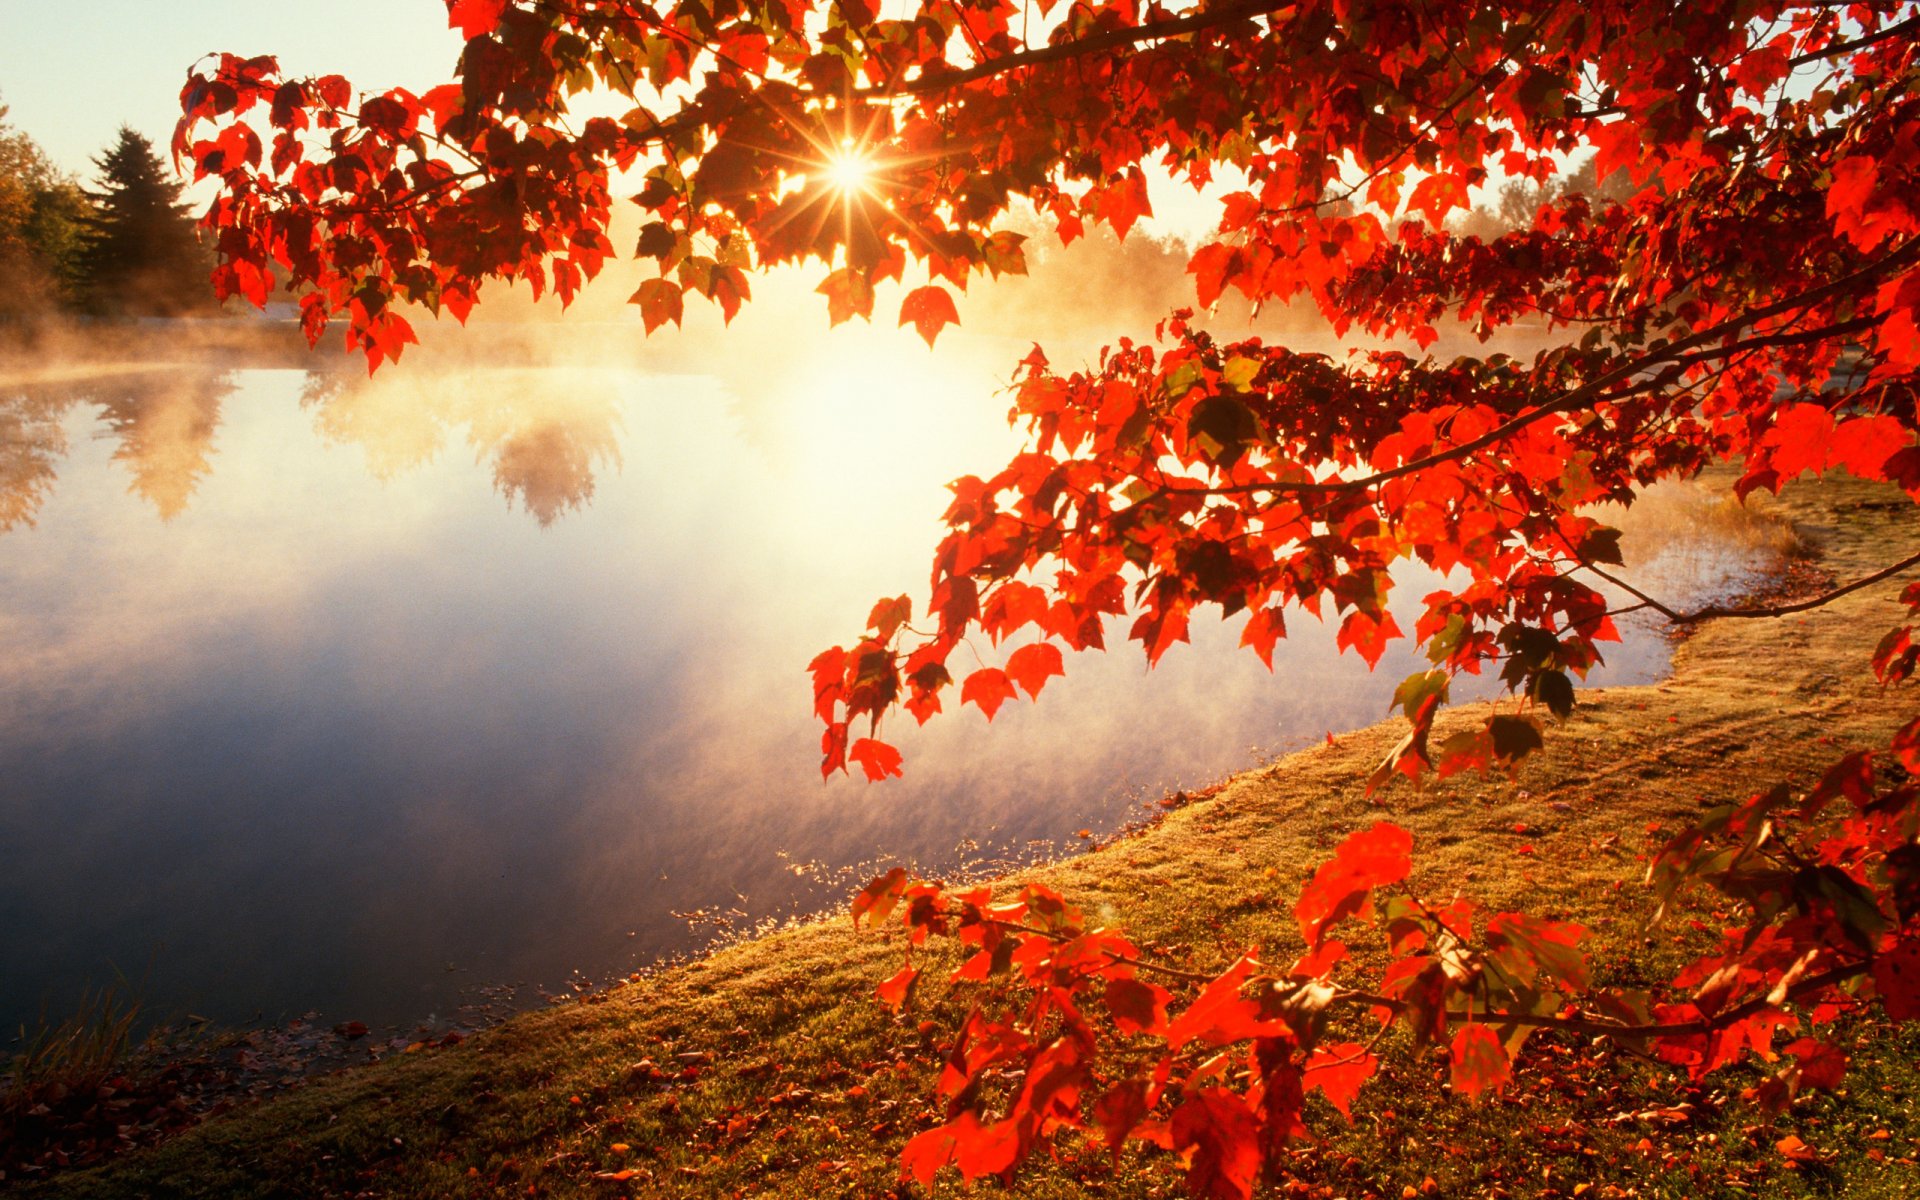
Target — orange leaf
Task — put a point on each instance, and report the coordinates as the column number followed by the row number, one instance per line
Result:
column 989, row 688
column 1795, row 1150
column 877, row 759
column 659, row 301
column 879, row 896
column 893, row 993
column 929, row 310
column 889, row 615
column 1339, row 1072
column 1031, row 666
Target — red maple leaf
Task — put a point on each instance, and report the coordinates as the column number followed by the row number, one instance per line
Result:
column 877, row 759
column 1343, row 885
column 893, row 992
column 475, row 18
column 989, row 688
column 1339, row 1071
column 1480, row 1063
column 1896, row 977
column 1219, row 1136
column 929, row 310
column 1031, row 666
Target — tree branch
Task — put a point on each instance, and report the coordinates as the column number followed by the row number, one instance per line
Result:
column 1774, row 610
column 1600, row 1026
column 1910, row 25
column 1672, row 352
column 1111, row 40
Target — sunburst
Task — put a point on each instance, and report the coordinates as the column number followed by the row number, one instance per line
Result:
column 849, row 169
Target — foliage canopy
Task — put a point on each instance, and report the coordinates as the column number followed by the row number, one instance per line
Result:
column 41, row 226
column 1753, row 296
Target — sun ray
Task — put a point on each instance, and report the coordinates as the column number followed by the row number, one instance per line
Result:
column 849, row 169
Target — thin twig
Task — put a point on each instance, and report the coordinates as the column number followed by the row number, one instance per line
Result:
column 1591, row 391
column 1620, row 1029
column 1774, row 610
column 1112, row 40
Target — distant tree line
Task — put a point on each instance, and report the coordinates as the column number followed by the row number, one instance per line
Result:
column 123, row 247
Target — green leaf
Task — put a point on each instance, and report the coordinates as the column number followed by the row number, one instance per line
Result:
column 1182, row 379
column 1239, row 373
column 1416, row 690
column 1004, row 255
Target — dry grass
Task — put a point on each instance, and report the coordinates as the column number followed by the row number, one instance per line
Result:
column 76, row 1053
column 769, row 1070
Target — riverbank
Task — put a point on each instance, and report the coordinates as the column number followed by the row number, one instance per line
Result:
column 769, row 1068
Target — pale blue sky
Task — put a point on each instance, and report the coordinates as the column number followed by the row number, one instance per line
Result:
column 73, row 71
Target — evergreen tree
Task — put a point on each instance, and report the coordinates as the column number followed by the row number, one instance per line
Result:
column 142, row 256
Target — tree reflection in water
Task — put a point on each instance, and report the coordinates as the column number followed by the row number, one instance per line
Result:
column 165, row 423
column 32, row 443
column 163, row 419
column 544, row 432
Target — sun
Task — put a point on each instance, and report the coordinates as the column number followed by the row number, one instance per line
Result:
column 849, row 169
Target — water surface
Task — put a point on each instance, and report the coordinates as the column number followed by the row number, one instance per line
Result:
column 327, row 693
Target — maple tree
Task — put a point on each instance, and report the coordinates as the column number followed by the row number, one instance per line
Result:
column 1753, row 297
column 41, row 229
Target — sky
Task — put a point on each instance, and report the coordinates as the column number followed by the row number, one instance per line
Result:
column 74, row 71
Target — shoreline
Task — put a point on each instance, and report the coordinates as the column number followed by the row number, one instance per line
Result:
column 1195, row 881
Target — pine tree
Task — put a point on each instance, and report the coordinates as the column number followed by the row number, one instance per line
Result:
column 142, row 257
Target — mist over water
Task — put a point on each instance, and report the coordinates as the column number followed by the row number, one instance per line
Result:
column 323, row 692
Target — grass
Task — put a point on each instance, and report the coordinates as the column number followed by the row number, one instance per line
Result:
column 768, row 1069
column 75, row 1054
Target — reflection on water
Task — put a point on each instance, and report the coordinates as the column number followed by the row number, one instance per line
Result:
column 161, row 422
column 544, row 432
column 163, row 427
column 342, row 730
column 31, row 446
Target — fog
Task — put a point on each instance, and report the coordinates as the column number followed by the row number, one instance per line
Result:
column 349, row 693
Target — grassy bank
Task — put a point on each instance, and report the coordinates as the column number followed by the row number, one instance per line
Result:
column 769, row 1070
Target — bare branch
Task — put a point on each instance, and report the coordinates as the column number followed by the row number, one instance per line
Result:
column 1204, row 19
column 1772, row 610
